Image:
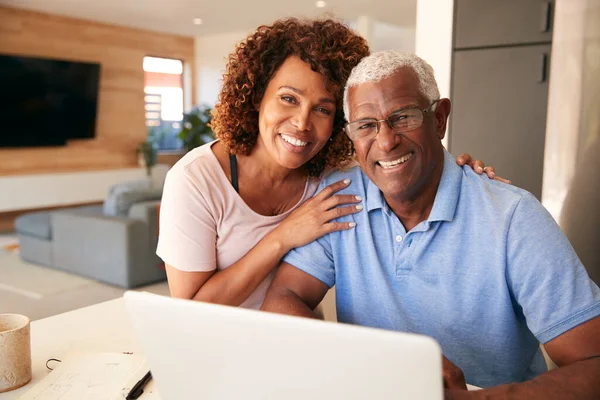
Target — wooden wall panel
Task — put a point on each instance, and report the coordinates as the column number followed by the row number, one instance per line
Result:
column 120, row 51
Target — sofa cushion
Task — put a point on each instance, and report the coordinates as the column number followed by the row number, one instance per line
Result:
column 36, row 224
column 125, row 199
column 111, row 206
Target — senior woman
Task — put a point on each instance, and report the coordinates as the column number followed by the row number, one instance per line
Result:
column 231, row 209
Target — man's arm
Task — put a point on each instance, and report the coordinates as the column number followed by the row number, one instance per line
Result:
column 294, row 292
column 576, row 352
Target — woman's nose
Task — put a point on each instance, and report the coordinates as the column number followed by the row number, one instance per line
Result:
column 302, row 120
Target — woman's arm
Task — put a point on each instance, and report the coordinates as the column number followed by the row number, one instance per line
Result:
column 233, row 285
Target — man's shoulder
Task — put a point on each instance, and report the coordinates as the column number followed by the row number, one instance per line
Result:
column 353, row 172
column 495, row 194
column 487, row 187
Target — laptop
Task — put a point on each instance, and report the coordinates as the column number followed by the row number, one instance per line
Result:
column 205, row 351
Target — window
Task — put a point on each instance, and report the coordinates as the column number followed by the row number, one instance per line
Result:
column 164, row 101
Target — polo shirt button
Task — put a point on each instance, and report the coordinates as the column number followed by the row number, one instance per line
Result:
column 398, row 238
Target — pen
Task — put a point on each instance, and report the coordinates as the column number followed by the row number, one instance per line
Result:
column 138, row 388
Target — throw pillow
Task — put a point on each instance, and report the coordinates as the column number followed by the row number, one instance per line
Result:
column 124, row 200
column 110, row 206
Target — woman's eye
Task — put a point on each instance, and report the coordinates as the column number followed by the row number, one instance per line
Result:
column 288, row 99
column 324, row 111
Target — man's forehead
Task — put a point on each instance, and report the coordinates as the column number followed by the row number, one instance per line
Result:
column 393, row 104
column 402, row 85
column 378, row 106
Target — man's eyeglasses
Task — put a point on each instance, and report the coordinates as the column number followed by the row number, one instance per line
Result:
column 400, row 122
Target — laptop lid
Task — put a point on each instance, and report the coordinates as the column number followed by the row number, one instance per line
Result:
column 205, row 351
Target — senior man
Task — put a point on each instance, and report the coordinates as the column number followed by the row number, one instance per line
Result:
column 477, row 264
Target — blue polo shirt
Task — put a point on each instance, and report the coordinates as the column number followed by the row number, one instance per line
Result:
column 489, row 274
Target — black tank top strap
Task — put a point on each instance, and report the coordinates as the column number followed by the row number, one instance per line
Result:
column 234, row 172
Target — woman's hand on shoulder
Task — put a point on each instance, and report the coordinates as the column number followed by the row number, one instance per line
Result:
column 316, row 216
column 479, row 167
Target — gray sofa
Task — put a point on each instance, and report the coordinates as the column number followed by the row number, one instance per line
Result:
column 113, row 243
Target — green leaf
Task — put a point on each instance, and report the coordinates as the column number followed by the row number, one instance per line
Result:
column 195, row 130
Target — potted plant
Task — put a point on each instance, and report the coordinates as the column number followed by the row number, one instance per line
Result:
column 147, row 152
column 195, row 129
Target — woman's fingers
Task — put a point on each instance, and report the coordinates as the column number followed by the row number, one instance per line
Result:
column 341, row 212
column 340, row 199
column 332, row 189
column 318, row 216
column 490, row 172
column 338, row 226
column 503, row 180
column 477, row 166
column 464, row 159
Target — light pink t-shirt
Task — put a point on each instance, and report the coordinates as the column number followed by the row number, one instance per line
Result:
column 205, row 224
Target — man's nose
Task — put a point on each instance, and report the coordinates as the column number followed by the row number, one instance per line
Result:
column 301, row 119
column 387, row 139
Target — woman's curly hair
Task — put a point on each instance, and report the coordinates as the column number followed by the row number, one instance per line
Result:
column 328, row 46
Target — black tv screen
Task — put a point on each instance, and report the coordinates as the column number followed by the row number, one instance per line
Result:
column 45, row 102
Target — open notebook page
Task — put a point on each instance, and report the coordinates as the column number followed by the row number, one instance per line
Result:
column 92, row 376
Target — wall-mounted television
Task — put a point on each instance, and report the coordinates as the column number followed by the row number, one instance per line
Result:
column 45, row 102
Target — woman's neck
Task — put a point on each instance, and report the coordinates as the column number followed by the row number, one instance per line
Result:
column 261, row 165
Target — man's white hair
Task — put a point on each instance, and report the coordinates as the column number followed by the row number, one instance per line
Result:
column 383, row 64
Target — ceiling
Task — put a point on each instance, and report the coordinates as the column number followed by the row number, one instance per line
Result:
column 219, row 16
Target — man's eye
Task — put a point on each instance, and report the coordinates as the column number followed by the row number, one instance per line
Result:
column 397, row 118
column 367, row 125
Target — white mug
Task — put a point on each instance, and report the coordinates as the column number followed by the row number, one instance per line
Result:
column 15, row 351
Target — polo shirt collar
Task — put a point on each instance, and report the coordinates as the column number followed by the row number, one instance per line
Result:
column 375, row 197
column 446, row 199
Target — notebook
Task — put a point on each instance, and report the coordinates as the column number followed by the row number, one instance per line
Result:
column 92, row 376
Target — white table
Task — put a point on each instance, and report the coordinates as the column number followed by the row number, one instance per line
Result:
column 103, row 327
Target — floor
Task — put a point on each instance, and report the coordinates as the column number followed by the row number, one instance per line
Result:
column 83, row 294
column 7, row 239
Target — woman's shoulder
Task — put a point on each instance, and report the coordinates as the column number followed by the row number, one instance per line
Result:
column 197, row 163
column 200, row 153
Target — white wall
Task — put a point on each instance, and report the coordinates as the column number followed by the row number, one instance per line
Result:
column 48, row 190
column 392, row 37
column 433, row 41
column 211, row 53
column 384, row 36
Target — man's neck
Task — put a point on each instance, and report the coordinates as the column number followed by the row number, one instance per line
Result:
column 415, row 208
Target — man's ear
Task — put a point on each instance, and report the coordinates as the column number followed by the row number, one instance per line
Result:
column 442, row 111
